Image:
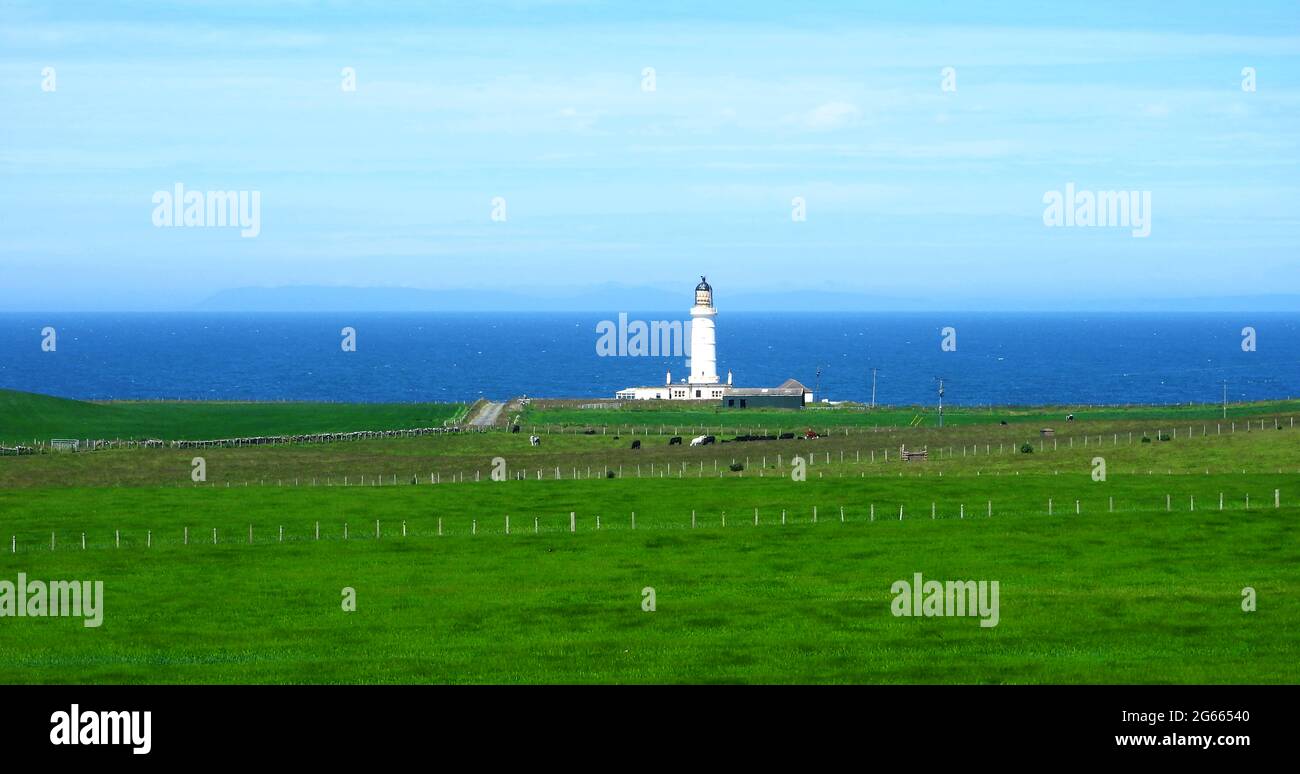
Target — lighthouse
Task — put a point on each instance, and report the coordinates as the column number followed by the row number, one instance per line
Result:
column 704, row 352
column 702, row 383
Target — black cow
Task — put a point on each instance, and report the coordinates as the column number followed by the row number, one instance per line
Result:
column 636, row 444
column 676, row 440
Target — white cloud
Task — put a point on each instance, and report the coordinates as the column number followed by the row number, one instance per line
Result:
column 829, row 116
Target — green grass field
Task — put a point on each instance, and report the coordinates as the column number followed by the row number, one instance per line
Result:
column 1137, row 586
column 654, row 414
column 27, row 416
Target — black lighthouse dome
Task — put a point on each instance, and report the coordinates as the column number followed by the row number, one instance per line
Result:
column 703, row 293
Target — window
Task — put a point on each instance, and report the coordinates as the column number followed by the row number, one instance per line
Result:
column 697, row 393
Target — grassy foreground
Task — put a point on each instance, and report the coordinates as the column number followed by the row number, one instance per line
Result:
column 1137, row 578
column 1134, row 595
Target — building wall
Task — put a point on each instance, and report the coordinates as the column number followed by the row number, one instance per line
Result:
column 761, row 401
column 674, row 392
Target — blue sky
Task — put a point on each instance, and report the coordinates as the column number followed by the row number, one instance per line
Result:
column 910, row 191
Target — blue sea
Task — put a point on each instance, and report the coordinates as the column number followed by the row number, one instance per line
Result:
column 999, row 359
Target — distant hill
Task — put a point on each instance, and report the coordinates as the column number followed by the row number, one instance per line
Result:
column 354, row 299
column 607, row 296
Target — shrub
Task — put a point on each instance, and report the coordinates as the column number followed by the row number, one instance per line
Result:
column 1145, row 439
column 736, row 467
column 1164, row 437
column 1027, row 449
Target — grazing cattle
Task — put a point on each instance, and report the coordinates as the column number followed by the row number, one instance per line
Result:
column 676, row 440
column 1069, row 418
column 699, row 440
column 514, row 428
column 636, row 444
column 787, row 436
column 534, row 441
column 1004, row 422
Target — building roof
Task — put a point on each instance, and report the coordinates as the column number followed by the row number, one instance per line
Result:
column 745, row 392
column 793, row 384
column 704, row 284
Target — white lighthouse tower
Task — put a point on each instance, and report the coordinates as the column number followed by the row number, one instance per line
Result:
column 704, row 353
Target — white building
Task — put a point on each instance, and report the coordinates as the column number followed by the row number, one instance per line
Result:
column 703, row 382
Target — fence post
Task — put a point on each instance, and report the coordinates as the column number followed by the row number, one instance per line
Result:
column 573, row 521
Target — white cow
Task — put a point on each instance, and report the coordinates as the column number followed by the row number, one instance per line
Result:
column 534, row 440
column 698, row 440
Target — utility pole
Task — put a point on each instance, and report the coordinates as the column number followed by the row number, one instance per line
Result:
column 940, row 401
column 817, row 388
column 873, row 388
column 1225, row 398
